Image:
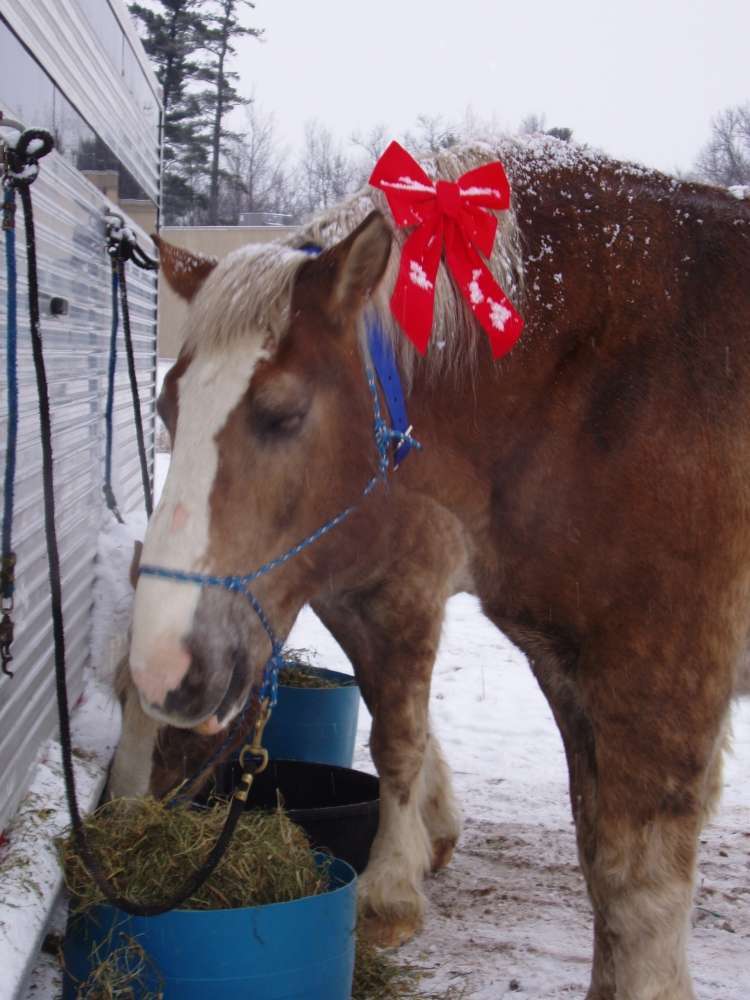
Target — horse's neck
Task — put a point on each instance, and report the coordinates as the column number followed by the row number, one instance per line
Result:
column 470, row 423
column 476, row 426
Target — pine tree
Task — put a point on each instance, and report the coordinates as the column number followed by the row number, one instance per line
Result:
column 172, row 37
column 223, row 29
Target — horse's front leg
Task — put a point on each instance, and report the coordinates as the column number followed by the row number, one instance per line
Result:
column 391, row 900
column 132, row 765
column 391, row 631
column 394, row 676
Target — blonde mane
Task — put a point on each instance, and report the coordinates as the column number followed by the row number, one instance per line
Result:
column 455, row 332
column 250, row 289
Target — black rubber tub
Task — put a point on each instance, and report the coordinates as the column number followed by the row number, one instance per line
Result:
column 336, row 806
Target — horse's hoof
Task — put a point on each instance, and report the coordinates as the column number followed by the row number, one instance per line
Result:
column 388, row 933
column 442, row 852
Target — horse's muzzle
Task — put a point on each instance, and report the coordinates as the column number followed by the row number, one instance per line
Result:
column 207, row 674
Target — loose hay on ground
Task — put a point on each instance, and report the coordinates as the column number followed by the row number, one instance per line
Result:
column 378, row 976
column 147, row 848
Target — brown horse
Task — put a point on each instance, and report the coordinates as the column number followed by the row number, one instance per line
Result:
column 592, row 488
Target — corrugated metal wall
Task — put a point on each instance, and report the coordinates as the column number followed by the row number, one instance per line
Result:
column 73, row 264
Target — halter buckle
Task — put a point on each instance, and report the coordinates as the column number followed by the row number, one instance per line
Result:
column 260, row 754
column 255, row 752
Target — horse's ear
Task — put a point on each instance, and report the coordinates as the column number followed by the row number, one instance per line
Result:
column 183, row 271
column 361, row 260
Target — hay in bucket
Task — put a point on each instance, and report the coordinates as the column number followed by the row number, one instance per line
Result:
column 146, row 848
column 298, row 671
column 121, row 973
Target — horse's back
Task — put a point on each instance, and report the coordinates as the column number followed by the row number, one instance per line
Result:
column 620, row 475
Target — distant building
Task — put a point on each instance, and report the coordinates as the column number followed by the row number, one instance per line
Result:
column 265, row 219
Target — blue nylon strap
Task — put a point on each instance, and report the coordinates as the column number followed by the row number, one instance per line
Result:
column 384, row 359
column 11, row 367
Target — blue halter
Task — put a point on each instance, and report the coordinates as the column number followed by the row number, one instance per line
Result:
column 399, row 433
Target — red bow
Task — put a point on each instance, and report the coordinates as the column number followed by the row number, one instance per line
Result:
column 451, row 215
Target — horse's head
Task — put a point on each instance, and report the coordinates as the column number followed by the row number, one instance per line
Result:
column 271, row 425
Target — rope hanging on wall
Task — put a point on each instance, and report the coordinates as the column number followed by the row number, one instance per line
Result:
column 21, row 169
column 20, row 163
column 122, row 246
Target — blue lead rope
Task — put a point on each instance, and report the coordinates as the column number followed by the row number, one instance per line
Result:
column 385, row 437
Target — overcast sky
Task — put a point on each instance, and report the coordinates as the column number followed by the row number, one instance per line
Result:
column 639, row 79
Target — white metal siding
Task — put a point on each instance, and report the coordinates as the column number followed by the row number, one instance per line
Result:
column 72, row 264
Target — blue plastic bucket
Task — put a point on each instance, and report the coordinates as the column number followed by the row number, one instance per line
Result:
column 316, row 724
column 303, row 950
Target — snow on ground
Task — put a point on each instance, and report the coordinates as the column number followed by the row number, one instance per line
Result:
column 510, row 917
column 30, row 877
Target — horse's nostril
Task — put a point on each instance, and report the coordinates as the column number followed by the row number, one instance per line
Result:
column 238, row 683
column 164, row 670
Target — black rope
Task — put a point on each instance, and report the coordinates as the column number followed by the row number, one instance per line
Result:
column 122, row 246
column 145, row 477
column 22, row 180
column 109, row 494
column 8, row 559
column 20, row 165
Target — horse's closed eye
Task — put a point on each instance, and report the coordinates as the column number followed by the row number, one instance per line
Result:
column 273, row 424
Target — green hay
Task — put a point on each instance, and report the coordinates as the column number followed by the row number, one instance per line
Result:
column 147, row 850
column 120, row 975
column 299, row 671
column 301, row 677
column 378, row 976
column 124, row 973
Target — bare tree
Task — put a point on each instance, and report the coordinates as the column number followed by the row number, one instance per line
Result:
column 533, row 123
column 725, row 159
column 432, row 134
column 324, row 174
column 256, row 176
column 371, row 144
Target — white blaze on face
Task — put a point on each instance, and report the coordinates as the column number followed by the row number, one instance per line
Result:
column 178, row 532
